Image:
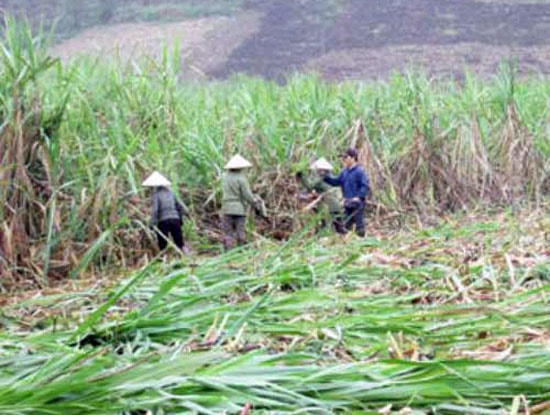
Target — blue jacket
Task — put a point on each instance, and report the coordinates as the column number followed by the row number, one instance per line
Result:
column 354, row 182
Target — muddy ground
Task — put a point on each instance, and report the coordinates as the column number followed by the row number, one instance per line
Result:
column 353, row 39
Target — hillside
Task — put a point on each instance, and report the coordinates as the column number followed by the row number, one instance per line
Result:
column 348, row 39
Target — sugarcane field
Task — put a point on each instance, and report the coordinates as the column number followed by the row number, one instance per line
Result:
column 259, row 207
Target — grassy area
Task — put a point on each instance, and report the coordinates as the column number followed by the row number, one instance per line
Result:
column 421, row 319
column 78, row 139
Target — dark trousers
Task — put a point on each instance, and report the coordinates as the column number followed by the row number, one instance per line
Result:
column 169, row 227
column 233, row 227
column 336, row 217
column 338, row 222
column 355, row 215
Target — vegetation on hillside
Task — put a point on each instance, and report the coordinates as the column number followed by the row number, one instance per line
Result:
column 67, row 17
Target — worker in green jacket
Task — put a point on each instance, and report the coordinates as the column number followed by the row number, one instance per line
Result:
column 320, row 193
column 236, row 196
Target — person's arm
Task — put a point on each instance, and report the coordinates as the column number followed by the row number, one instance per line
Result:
column 154, row 212
column 333, row 181
column 181, row 208
column 304, row 181
column 246, row 193
column 310, row 187
column 320, row 187
column 363, row 184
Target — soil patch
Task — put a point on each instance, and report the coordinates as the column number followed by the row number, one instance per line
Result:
column 435, row 60
column 342, row 39
column 200, row 41
column 386, row 34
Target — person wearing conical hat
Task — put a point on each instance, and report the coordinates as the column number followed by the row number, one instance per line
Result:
column 236, row 196
column 355, row 185
column 167, row 212
column 323, row 194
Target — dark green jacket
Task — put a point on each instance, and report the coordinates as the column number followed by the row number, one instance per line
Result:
column 329, row 193
column 236, row 193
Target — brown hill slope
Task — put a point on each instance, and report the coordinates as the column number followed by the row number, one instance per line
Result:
column 357, row 39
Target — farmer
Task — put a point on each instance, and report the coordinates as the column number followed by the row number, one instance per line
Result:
column 354, row 183
column 321, row 193
column 167, row 212
column 236, row 195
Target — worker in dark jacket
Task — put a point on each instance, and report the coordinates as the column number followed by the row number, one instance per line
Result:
column 167, row 212
column 320, row 193
column 236, row 196
column 354, row 183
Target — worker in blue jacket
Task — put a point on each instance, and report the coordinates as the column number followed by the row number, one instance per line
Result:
column 354, row 182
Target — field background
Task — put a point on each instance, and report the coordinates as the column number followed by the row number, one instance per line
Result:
column 339, row 39
column 442, row 309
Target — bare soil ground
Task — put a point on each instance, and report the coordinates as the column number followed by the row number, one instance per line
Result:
column 436, row 60
column 356, row 39
column 205, row 44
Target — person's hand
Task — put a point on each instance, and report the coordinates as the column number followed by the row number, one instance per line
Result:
column 303, row 197
column 259, row 207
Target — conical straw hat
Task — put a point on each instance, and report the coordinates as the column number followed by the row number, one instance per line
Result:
column 321, row 164
column 156, row 179
column 237, row 162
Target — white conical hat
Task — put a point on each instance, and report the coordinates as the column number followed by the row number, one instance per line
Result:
column 321, row 164
column 156, row 179
column 238, row 162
